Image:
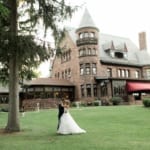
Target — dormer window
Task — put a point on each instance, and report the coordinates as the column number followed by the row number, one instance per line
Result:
column 116, row 51
column 118, row 55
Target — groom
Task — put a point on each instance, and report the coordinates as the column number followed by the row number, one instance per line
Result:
column 60, row 111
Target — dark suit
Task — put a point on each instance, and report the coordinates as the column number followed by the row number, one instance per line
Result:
column 60, row 112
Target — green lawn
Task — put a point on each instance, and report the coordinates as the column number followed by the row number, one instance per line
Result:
column 108, row 128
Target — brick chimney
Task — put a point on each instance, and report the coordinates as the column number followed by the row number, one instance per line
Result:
column 142, row 41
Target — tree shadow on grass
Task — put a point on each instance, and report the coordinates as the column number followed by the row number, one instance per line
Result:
column 3, row 131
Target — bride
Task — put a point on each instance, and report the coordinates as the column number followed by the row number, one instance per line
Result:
column 67, row 123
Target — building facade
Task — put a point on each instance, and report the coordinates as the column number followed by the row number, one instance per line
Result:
column 91, row 66
column 103, row 66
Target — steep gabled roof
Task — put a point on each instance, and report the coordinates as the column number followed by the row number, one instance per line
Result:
column 135, row 56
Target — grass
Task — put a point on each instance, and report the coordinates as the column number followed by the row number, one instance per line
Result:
column 108, row 128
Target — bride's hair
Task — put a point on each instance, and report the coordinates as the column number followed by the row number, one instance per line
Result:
column 67, row 103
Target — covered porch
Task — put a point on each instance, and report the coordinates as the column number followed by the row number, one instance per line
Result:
column 46, row 92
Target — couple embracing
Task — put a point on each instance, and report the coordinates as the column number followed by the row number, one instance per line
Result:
column 66, row 124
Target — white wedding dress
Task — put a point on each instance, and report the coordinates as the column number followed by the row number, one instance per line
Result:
column 68, row 125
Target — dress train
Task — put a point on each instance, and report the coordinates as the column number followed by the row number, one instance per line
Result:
column 68, row 125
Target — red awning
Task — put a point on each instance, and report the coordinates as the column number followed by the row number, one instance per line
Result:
column 137, row 86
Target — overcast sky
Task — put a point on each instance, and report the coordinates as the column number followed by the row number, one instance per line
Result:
column 125, row 18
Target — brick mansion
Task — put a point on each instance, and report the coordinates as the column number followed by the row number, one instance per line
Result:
column 101, row 65
column 92, row 66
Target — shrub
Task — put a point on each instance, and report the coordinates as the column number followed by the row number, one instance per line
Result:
column 73, row 104
column 89, row 103
column 76, row 104
column 97, row 103
column 105, row 102
column 4, row 107
column 116, row 100
column 146, row 102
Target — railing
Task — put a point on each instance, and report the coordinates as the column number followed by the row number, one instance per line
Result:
column 87, row 41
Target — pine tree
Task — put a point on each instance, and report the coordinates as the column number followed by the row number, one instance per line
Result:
column 19, row 48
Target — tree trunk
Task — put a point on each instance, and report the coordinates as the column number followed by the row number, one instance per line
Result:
column 13, row 124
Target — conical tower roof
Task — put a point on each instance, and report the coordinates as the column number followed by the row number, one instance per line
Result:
column 87, row 20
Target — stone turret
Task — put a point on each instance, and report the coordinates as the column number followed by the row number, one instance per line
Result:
column 87, row 32
column 87, row 43
column 87, row 21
